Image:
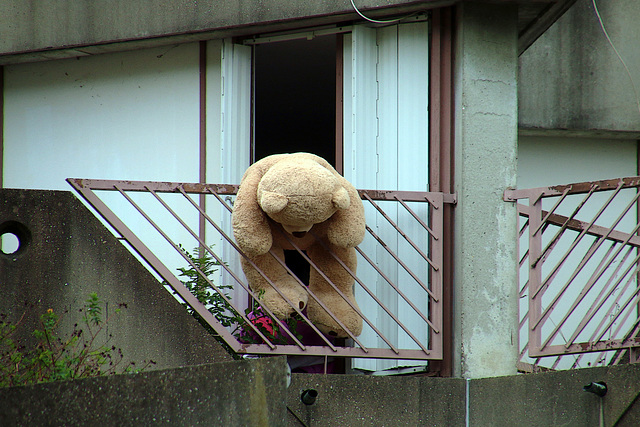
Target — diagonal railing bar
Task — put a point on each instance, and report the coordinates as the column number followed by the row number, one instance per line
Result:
column 561, row 292
column 335, row 288
column 614, row 256
column 220, row 261
column 347, row 300
column 247, row 321
column 600, row 240
column 431, row 349
column 378, row 332
column 417, row 218
column 402, row 233
column 626, row 351
column 375, row 298
column 202, row 244
column 245, row 287
column 582, row 294
column 248, row 290
column 322, row 305
column 590, row 254
column 395, row 287
column 596, row 291
column 229, row 240
column 556, row 238
column 402, row 264
column 633, row 298
column 607, row 290
column 523, row 320
column 195, row 267
column 598, row 329
column 582, row 234
column 565, row 193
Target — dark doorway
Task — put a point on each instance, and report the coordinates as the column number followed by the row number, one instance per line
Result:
column 295, row 97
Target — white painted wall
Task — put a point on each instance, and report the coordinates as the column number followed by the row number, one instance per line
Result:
column 131, row 115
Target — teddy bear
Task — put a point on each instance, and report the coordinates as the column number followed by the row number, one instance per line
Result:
column 300, row 198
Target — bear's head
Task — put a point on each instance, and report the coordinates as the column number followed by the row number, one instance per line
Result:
column 300, row 194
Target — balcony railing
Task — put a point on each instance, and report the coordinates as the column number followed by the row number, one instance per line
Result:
column 398, row 282
column 579, row 266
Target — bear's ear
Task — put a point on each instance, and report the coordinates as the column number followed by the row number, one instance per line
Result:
column 272, row 203
column 341, row 199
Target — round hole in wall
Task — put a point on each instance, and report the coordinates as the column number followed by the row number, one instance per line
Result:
column 14, row 238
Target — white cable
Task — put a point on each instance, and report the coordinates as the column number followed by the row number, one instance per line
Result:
column 624, row 64
column 390, row 21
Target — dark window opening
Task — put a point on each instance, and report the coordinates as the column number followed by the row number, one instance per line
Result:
column 295, row 97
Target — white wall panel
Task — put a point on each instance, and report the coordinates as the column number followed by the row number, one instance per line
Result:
column 130, row 115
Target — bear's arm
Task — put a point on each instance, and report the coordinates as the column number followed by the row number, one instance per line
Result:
column 346, row 228
column 250, row 225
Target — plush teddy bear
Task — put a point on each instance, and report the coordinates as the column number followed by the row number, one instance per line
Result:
column 300, row 196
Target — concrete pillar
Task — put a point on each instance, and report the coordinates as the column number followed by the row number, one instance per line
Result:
column 485, row 283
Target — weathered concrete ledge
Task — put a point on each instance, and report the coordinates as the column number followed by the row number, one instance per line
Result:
column 237, row 393
column 39, row 30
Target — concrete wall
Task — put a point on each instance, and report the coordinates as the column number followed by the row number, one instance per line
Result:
column 571, row 78
column 238, row 393
column 65, row 255
column 67, row 28
column 549, row 399
column 485, row 297
column 243, row 393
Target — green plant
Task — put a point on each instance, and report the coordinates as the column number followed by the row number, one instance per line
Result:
column 198, row 285
column 56, row 358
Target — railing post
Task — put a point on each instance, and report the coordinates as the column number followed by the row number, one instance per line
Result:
column 436, row 308
column 535, row 273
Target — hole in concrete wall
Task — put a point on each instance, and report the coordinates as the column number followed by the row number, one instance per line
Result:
column 14, row 238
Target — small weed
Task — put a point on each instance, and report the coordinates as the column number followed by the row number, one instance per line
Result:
column 56, row 358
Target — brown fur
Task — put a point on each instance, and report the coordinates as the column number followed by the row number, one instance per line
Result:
column 295, row 193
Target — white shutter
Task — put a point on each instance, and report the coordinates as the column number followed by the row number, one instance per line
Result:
column 236, row 111
column 229, row 139
column 386, row 147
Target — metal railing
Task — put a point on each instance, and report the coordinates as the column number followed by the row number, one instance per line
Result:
column 398, row 281
column 579, row 267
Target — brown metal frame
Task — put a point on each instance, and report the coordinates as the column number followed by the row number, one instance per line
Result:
column 442, row 161
column 431, row 350
column 610, row 269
